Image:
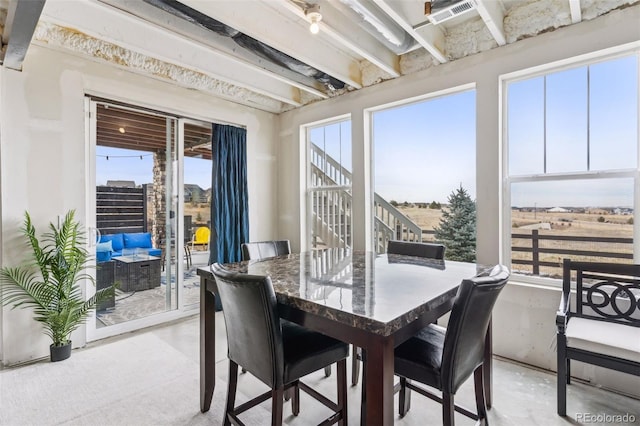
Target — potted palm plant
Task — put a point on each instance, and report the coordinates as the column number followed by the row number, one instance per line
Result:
column 50, row 282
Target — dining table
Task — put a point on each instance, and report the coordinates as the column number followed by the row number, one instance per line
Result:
column 373, row 301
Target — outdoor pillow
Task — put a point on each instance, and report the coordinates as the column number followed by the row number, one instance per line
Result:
column 116, row 241
column 137, row 240
column 105, row 246
column 103, row 256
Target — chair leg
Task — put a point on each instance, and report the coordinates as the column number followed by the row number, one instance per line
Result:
column 562, row 376
column 355, row 365
column 231, row 391
column 448, row 409
column 295, row 398
column 341, row 378
column 363, row 388
column 568, row 371
column 404, row 401
column 276, row 406
column 481, row 405
column 327, row 371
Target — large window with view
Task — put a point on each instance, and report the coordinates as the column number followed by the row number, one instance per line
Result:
column 571, row 169
column 425, row 173
column 329, row 194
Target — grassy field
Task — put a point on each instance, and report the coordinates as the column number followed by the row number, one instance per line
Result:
column 561, row 223
column 595, row 223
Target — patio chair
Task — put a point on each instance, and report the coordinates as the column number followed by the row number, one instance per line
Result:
column 201, row 238
column 602, row 327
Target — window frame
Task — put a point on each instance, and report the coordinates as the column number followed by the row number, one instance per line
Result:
column 507, row 180
column 307, row 189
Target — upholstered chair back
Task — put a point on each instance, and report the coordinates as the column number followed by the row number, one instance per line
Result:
column 264, row 249
column 254, row 336
column 465, row 336
column 428, row 250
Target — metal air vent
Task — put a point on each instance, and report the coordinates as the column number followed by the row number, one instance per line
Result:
column 452, row 11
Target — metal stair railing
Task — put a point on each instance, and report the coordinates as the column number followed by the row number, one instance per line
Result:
column 331, row 207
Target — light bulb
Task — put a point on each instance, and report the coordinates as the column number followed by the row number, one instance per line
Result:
column 314, row 16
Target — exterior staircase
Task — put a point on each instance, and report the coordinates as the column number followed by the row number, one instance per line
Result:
column 330, row 198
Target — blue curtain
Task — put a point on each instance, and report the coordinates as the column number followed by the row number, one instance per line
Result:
column 229, row 206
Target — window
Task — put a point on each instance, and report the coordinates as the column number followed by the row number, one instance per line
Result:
column 571, row 168
column 329, row 185
column 423, row 153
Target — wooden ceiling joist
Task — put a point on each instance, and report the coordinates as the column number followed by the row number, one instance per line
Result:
column 147, row 132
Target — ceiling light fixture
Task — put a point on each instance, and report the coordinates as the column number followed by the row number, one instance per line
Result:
column 314, row 15
column 121, row 130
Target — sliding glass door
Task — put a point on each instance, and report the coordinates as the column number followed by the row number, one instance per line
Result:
column 148, row 213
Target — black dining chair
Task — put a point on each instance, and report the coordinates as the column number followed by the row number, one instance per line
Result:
column 424, row 250
column 276, row 351
column 446, row 358
column 265, row 249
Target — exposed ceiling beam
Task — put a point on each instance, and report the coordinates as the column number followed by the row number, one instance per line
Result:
column 576, row 12
column 342, row 30
column 108, row 24
column 492, row 14
column 263, row 22
column 224, row 45
column 22, row 18
column 430, row 37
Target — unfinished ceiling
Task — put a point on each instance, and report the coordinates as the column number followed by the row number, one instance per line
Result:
column 261, row 53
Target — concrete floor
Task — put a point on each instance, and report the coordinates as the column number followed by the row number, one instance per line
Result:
column 160, row 365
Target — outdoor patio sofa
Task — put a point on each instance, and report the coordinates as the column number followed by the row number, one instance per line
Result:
column 123, row 244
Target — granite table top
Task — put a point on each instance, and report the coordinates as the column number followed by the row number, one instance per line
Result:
column 379, row 293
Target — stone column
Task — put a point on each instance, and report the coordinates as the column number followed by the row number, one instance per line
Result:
column 157, row 211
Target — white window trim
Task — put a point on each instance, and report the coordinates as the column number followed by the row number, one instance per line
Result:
column 305, row 181
column 506, row 180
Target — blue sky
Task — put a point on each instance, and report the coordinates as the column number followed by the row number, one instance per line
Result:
column 125, row 164
column 426, row 150
column 591, row 125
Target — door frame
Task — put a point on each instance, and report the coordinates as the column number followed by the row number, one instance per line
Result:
column 92, row 332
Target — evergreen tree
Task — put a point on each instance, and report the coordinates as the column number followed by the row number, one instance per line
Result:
column 457, row 228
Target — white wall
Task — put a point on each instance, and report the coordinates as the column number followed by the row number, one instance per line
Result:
column 43, row 149
column 524, row 323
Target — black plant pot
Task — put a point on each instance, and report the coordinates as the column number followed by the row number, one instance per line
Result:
column 60, row 353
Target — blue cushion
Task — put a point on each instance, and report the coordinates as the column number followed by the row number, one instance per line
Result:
column 106, row 246
column 155, row 252
column 117, row 242
column 103, row 256
column 137, row 240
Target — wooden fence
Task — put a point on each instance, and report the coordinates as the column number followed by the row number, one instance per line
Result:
column 535, row 251
column 121, row 209
column 549, row 250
